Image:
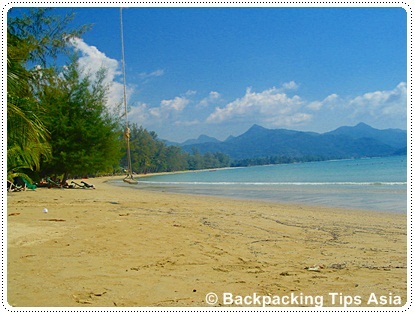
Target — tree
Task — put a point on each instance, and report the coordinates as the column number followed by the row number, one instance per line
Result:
column 45, row 35
column 175, row 159
column 83, row 135
column 141, row 146
column 32, row 41
column 195, row 160
column 26, row 135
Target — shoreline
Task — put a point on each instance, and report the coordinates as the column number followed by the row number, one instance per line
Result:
column 125, row 247
column 184, row 189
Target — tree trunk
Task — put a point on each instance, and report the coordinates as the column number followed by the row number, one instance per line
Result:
column 65, row 177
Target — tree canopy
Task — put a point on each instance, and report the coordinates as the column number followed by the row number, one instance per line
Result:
column 57, row 121
column 150, row 154
column 83, row 136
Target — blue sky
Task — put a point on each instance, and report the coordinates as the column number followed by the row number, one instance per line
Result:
column 217, row 71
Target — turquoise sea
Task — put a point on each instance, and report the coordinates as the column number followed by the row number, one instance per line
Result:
column 372, row 183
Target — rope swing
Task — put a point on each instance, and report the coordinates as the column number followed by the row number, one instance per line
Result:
column 129, row 178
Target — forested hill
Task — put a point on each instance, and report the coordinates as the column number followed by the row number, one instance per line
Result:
column 345, row 142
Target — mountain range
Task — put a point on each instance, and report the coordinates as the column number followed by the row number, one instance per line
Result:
column 361, row 140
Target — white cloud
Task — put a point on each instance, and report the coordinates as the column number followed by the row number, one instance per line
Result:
column 177, row 104
column 91, row 60
column 187, row 123
column 210, row 99
column 214, row 95
column 190, row 93
column 290, row 86
column 369, row 107
column 139, row 114
column 271, row 105
column 275, row 108
column 293, row 119
column 156, row 73
column 328, row 102
column 155, row 112
column 171, row 107
column 380, row 104
column 381, row 109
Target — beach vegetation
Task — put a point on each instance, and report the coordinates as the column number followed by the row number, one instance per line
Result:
column 47, row 104
column 27, row 137
column 274, row 160
column 150, row 154
column 84, row 136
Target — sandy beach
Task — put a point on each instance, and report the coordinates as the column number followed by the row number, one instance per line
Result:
column 118, row 246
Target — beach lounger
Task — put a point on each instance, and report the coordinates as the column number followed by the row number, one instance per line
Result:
column 77, row 185
column 53, row 184
column 88, row 185
column 11, row 187
column 28, row 185
column 84, row 185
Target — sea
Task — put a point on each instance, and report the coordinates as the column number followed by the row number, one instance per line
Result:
column 378, row 184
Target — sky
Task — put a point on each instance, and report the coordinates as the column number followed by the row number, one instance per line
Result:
column 218, row 71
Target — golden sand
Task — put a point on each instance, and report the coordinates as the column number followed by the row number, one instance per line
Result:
column 119, row 246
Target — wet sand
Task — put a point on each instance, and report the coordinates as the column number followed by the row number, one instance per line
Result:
column 118, row 246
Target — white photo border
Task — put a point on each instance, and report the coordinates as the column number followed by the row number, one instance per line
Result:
column 407, row 5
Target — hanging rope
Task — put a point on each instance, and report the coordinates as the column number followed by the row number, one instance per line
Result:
column 129, row 178
column 123, row 67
